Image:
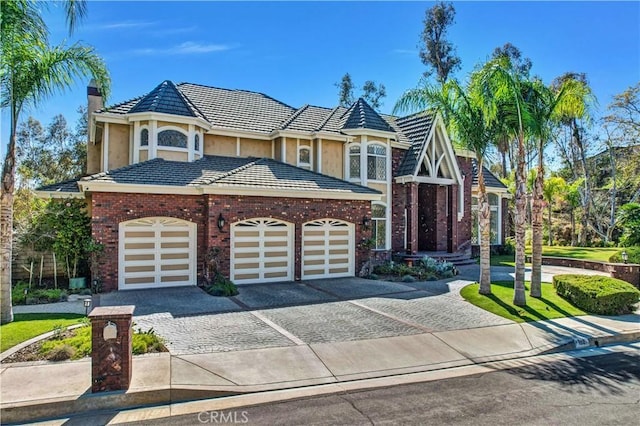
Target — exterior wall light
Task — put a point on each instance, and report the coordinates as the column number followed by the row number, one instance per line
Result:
column 625, row 256
column 87, row 303
column 365, row 222
column 220, row 222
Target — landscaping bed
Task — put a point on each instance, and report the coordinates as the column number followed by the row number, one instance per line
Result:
column 425, row 269
column 596, row 294
column 75, row 344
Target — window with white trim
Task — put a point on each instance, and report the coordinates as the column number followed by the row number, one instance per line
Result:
column 379, row 221
column 376, row 162
column 172, row 138
column 354, row 162
column 304, row 157
column 494, row 231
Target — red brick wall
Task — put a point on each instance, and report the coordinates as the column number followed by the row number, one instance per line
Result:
column 464, row 225
column 235, row 208
column 399, row 203
column 109, row 209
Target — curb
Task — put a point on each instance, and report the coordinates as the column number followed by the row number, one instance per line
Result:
column 28, row 411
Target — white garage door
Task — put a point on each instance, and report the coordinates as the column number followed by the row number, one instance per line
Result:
column 327, row 249
column 261, row 251
column 156, row 252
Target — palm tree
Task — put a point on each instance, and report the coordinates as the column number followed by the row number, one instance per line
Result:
column 546, row 107
column 464, row 115
column 502, row 87
column 553, row 187
column 31, row 71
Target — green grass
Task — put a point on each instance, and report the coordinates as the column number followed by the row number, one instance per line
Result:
column 601, row 254
column 550, row 306
column 27, row 326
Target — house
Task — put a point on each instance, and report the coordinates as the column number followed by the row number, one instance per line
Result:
column 281, row 193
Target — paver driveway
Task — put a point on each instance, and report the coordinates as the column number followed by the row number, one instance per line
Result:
column 288, row 314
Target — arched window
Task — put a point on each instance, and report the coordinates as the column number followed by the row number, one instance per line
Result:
column 144, row 137
column 376, row 162
column 379, row 220
column 354, row 162
column 304, row 157
column 172, row 138
column 197, row 143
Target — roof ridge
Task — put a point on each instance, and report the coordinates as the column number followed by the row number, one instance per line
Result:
column 190, row 104
column 239, row 90
column 326, row 120
column 293, row 116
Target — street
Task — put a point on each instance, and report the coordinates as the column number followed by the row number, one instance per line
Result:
column 597, row 390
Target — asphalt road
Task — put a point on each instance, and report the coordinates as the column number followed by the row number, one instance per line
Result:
column 597, row 390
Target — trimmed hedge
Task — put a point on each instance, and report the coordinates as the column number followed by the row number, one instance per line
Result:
column 633, row 252
column 597, row 294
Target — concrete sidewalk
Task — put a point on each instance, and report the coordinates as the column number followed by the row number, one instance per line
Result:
column 48, row 390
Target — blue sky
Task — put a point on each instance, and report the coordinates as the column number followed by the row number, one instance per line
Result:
column 296, row 51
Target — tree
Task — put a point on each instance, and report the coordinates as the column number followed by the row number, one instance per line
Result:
column 436, row 52
column 553, row 188
column 345, row 93
column 546, row 107
column 464, row 114
column 30, row 71
column 373, row 93
column 579, row 149
column 502, row 90
column 630, row 223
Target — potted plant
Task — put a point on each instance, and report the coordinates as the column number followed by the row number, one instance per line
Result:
column 72, row 237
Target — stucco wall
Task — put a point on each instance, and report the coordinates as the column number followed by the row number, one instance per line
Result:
column 220, row 145
column 118, row 145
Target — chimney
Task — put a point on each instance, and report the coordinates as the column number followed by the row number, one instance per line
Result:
column 94, row 103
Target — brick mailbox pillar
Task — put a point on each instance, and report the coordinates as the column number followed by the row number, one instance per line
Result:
column 111, row 336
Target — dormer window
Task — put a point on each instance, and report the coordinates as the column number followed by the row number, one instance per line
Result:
column 172, row 138
column 144, row 137
column 304, row 157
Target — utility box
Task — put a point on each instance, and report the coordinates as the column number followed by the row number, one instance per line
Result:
column 111, row 356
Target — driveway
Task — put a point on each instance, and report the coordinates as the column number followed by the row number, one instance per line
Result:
column 289, row 314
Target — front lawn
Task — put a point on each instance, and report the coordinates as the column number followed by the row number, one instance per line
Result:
column 601, row 254
column 28, row 326
column 550, row 306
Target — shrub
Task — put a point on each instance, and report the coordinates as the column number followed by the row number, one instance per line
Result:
column 597, row 294
column 146, row 341
column 80, row 341
column 61, row 353
column 17, row 293
column 632, row 252
column 373, row 277
column 222, row 287
column 408, row 279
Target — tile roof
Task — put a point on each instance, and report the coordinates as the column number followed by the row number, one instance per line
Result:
column 360, row 115
column 70, row 185
column 490, row 180
column 167, row 99
column 237, row 109
column 257, row 173
column 415, row 128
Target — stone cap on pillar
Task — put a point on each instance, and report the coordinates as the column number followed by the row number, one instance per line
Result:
column 112, row 311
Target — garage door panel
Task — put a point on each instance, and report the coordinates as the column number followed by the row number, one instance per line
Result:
column 327, row 249
column 261, row 251
column 156, row 252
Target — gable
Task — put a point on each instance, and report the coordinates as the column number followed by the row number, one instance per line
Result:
column 431, row 158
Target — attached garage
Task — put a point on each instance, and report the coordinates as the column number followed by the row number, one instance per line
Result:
column 156, row 252
column 262, row 251
column 328, row 249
